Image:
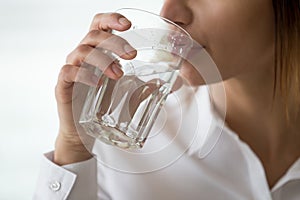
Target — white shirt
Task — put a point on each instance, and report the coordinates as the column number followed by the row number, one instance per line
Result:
column 190, row 154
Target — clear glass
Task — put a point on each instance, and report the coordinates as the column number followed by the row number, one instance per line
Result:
column 122, row 112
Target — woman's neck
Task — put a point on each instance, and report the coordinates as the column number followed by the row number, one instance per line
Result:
column 259, row 119
column 253, row 110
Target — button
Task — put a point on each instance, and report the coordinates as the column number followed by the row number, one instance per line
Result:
column 55, row 186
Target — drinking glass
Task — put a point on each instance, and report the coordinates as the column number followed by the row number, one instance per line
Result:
column 122, row 112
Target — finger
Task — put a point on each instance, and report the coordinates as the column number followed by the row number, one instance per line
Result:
column 105, row 63
column 70, row 74
column 67, row 76
column 87, row 77
column 110, row 21
column 85, row 54
column 78, row 55
column 65, row 83
column 110, row 42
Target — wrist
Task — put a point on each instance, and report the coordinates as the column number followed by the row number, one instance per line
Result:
column 67, row 152
column 64, row 156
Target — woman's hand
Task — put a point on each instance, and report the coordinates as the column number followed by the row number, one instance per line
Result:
column 69, row 148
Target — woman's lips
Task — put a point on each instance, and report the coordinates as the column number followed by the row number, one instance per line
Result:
column 181, row 43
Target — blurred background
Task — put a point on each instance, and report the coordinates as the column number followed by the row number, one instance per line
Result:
column 35, row 38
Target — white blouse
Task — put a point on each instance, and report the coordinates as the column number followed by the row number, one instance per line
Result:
column 190, row 154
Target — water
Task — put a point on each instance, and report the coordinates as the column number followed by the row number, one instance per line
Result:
column 127, row 109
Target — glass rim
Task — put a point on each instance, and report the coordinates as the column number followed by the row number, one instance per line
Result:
column 163, row 18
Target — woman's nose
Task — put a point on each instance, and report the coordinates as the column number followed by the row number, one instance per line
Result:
column 177, row 11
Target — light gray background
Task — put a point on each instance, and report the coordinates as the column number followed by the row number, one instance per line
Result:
column 35, row 37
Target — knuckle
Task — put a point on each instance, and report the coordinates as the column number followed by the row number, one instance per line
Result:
column 93, row 33
column 113, row 41
column 97, row 16
column 83, row 48
column 114, row 15
column 65, row 70
column 70, row 57
column 66, row 73
column 78, row 54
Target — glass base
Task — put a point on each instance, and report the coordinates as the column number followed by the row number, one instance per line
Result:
column 110, row 135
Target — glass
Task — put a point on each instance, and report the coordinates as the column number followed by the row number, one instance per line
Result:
column 122, row 112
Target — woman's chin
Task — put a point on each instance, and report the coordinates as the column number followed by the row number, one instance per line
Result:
column 190, row 76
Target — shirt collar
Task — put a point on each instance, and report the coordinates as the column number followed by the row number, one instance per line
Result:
column 292, row 174
column 218, row 126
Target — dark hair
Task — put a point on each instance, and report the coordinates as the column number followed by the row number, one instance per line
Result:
column 287, row 52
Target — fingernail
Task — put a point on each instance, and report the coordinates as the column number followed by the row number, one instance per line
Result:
column 117, row 70
column 123, row 21
column 129, row 50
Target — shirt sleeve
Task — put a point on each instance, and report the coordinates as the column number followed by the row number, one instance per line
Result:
column 72, row 182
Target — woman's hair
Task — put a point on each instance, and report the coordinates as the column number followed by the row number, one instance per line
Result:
column 287, row 53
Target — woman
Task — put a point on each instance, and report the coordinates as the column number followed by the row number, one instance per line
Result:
column 255, row 44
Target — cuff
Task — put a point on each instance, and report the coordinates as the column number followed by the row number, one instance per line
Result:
column 72, row 181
